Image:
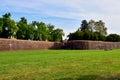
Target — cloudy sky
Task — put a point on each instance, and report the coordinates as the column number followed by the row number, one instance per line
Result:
column 65, row 14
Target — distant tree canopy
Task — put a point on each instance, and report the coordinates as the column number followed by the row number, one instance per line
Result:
column 113, row 38
column 33, row 31
column 89, row 30
column 86, row 35
column 94, row 26
column 8, row 27
column 93, row 30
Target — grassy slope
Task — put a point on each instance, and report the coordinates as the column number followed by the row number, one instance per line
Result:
column 60, row 65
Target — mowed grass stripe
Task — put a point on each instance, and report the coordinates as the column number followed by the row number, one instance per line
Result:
column 60, row 65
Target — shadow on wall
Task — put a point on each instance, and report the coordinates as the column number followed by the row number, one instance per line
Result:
column 56, row 45
column 92, row 77
column 90, row 45
column 76, row 44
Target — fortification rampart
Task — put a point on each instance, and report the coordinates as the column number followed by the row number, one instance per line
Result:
column 91, row 45
column 9, row 44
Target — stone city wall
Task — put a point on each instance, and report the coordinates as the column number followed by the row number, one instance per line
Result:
column 91, row 45
column 9, row 44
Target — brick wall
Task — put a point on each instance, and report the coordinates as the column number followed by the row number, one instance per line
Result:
column 8, row 44
column 90, row 45
column 76, row 45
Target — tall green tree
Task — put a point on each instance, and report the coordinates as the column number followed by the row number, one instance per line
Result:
column 54, row 34
column 77, row 35
column 43, row 31
column 50, row 29
column 91, row 30
column 23, row 27
column 91, row 25
column 35, row 24
column 84, row 25
column 9, row 27
column 23, row 20
column 35, row 30
column 7, row 15
column 100, row 27
column 30, row 32
column 40, row 32
column 57, row 34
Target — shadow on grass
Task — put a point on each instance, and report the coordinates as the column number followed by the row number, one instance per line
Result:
column 92, row 77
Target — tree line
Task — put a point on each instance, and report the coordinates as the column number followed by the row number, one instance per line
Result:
column 93, row 30
column 32, row 31
column 89, row 30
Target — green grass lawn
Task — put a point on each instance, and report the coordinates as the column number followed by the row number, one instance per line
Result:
column 60, row 65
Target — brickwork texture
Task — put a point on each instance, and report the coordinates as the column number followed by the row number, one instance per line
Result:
column 9, row 44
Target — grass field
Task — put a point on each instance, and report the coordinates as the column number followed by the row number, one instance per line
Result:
column 60, row 65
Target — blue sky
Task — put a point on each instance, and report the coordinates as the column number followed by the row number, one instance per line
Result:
column 65, row 14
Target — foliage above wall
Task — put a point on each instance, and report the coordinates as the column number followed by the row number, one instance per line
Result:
column 93, row 30
column 33, row 31
column 89, row 30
